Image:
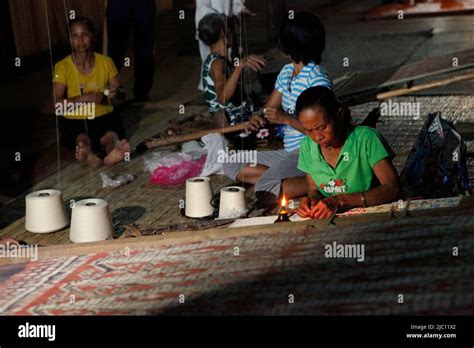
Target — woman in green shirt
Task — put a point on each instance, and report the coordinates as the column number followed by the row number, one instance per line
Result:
column 347, row 166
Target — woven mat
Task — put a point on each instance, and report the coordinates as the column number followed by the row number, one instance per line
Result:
column 412, row 257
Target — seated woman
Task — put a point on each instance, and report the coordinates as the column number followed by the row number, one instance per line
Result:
column 219, row 76
column 347, row 166
column 87, row 120
column 303, row 38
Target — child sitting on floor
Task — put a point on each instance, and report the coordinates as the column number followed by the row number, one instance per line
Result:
column 219, row 76
column 85, row 82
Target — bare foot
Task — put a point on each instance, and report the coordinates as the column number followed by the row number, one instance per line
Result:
column 9, row 241
column 82, row 150
column 86, row 156
column 118, row 153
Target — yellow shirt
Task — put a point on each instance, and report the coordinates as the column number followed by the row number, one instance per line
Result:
column 66, row 73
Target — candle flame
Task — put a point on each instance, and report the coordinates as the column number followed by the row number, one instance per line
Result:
column 283, row 201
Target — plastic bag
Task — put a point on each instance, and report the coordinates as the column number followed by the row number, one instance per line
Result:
column 119, row 180
column 172, row 168
column 214, row 144
column 194, row 149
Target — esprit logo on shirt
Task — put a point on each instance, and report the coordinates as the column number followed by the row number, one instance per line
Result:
column 334, row 186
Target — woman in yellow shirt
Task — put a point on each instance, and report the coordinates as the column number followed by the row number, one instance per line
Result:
column 85, row 83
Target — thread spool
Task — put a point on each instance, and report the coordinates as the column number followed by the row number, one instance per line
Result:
column 45, row 212
column 90, row 221
column 198, row 197
column 232, row 202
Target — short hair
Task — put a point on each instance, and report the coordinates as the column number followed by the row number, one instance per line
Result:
column 86, row 21
column 303, row 37
column 210, row 27
column 334, row 111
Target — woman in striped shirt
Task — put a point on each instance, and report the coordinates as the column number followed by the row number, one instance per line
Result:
column 303, row 38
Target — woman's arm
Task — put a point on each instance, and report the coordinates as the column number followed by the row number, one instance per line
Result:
column 59, row 93
column 225, row 89
column 388, row 191
column 59, row 96
column 275, row 114
column 274, row 100
column 115, row 89
column 238, row 7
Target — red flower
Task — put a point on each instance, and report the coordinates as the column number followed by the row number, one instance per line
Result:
column 322, row 186
column 339, row 182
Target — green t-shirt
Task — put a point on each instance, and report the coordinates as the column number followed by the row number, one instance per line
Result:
column 363, row 149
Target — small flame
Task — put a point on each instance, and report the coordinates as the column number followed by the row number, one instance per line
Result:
column 283, row 201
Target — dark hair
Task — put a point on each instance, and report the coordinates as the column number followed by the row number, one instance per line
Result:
column 210, row 27
column 303, row 37
column 334, row 111
column 86, row 21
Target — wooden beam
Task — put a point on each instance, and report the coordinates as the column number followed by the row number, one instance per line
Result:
column 466, row 206
column 466, row 129
column 425, row 86
column 156, row 142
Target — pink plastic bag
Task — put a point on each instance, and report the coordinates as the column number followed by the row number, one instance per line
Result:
column 177, row 173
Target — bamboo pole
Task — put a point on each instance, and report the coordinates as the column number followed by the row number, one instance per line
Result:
column 156, row 142
column 425, row 86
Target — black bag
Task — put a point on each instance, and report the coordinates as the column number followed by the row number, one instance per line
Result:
column 436, row 166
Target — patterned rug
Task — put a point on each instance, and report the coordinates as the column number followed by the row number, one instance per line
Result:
column 269, row 274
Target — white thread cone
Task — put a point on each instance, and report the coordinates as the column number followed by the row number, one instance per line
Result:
column 45, row 212
column 198, row 197
column 232, row 202
column 90, row 221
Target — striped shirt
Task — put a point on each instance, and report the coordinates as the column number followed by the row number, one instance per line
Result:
column 291, row 87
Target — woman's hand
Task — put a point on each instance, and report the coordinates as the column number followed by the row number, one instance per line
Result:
column 253, row 62
column 325, row 208
column 304, row 209
column 256, row 122
column 117, row 92
column 246, row 12
column 276, row 116
column 97, row 98
column 112, row 92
